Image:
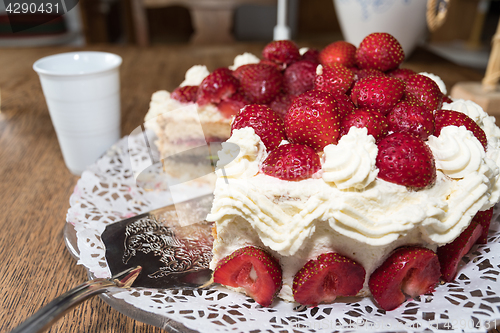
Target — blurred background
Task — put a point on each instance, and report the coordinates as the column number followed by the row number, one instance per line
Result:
column 465, row 37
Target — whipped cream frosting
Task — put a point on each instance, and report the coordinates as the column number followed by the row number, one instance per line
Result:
column 351, row 200
column 457, row 152
column 284, row 213
column 351, row 163
column 244, row 59
column 240, row 154
column 195, row 75
column 476, row 113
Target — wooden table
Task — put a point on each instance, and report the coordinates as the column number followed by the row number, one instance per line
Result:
column 35, row 185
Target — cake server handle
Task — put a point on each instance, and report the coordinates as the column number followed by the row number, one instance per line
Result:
column 51, row 312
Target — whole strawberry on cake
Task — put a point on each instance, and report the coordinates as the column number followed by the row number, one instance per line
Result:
column 359, row 178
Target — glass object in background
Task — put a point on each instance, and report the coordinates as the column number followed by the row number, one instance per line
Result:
column 404, row 19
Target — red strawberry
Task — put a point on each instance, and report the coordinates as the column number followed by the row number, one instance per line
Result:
column 445, row 118
column 340, row 52
column 313, row 120
column 299, row 77
column 218, row 85
column 401, row 73
column 265, row 122
column 425, row 90
column 252, row 269
column 406, row 160
column 279, row 67
column 329, row 276
column 335, row 79
column 410, row 270
column 281, row 52
column 185, row 94
column 381, row 93
column 483, row 218
column 371, row 119
column 232, row 105
column 381, row 51
column 447, row 99
column 291, row 162
column 411, row 118
column 344, row 105
column 451, row 254
column 311, row 54
column 260, row 82
column 362, row 73
column 281, row 103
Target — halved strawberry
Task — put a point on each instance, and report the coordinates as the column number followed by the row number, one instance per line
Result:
column 425, row 90
column 299, row 77
column 252, row 269
column 341, row 52
column 260, row 82
column 324, row 279
column 334, row 78
column 381, row 51
column 451, row 254
column 445, row 118
column 291, row 162
column 265, row 122
column 377, row 92
column 185, row 94
column 373, row 120
column 484, row 219
column 406, row 160
column 313, row 120
column 281, row 52
column 408, row 270
column 218, row 85
column 411, row 118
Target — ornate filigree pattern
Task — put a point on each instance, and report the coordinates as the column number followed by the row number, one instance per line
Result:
column 147, row 235
column 108, row 192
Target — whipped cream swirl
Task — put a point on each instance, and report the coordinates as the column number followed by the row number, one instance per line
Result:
column 195, row 75
column 241, row 154
column 457, row 151
column 351, row 163
column 480, row 117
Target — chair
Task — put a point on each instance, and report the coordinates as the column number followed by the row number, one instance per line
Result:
column 212, row 19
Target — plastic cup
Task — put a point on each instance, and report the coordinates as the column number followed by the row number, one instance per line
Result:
column 82, row 91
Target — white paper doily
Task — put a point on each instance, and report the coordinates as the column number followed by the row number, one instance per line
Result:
column 108, row 192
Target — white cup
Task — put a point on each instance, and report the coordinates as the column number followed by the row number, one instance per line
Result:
column 404, row 19
column 82, row 91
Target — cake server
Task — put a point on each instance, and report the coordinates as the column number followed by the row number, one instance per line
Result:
column 173, row 245
column 51, row 312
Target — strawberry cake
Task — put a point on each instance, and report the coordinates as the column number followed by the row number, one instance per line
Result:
column 367, row 180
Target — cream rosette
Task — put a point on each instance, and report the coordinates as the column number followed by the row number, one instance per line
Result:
column 351, row 163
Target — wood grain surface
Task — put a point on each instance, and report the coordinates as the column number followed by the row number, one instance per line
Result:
column 35, row 185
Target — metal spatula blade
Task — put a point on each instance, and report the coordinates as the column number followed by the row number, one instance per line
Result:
column 172, row 244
